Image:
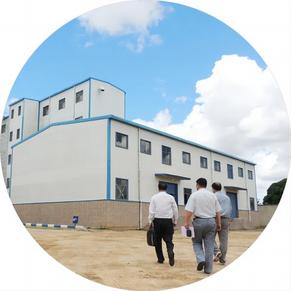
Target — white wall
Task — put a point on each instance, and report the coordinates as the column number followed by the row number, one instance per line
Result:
column 109, row 101
column 62, row 163
column 72, row 109
column 30, row 117
column 125, row 165
column 124, row 162
column 4, row 148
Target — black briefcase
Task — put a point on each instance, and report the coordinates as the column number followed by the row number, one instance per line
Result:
column 151, row 236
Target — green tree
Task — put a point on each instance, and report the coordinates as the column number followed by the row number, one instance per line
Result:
column 274, row 193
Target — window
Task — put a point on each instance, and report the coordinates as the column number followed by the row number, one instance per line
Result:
column 45, row 110
column 186, row 158
column 62, row 103
column 121, row 140
column 3, row 128
column 203, row 162
column 252, row 204
column 9, row 159
column 187, row 194
column 121, row 189
column 250, row 174
column 7, row 182
column 80, row 117
column 18, row 134
column 240, row 172
column 10, row 135
column 79, row 96
column 229, row 171
column 12, row 113
column 145, row 147
column 217, row 166
column 19, row 110
column 166, row 155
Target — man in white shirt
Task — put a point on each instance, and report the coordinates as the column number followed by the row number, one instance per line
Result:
column 163, row 213
column 226, row 208
column 205, row 208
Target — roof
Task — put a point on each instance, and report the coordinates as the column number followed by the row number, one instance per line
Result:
column 171, row 176
column 112, row 117
column 235, row 188
column 68, row 88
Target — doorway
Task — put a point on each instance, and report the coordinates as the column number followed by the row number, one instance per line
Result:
column 172, row 189
column 234, row 204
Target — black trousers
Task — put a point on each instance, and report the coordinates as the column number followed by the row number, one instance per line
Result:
column 163, row 229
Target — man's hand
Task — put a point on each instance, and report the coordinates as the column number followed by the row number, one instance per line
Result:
column 218, row 227
column 187, row 226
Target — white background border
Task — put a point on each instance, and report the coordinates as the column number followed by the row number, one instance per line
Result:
column 24, row 25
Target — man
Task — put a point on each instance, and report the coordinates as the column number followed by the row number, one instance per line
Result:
column 226, row 208
column 206, row 210
column 163, row 212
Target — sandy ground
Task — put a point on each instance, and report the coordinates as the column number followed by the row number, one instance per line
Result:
column 122, row 259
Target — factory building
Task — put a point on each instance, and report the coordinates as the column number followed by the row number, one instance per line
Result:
column 75, row 154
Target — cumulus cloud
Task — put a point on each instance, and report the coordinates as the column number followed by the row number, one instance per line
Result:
column 134, row 18
column 239, row 110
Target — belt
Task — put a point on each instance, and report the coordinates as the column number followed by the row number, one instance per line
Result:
column 224, row 217
column 197, row 217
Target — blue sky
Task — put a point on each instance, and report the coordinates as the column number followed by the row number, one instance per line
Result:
column 191, row 43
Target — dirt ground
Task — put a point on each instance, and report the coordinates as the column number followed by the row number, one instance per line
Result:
column 122, row 259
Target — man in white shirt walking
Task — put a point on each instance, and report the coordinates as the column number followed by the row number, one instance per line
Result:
column 226, row 208
column 163, row 213
column 205, row 208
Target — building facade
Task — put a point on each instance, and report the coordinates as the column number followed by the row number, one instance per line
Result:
column 84, row 158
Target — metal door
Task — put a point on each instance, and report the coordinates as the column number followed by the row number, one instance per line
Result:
column 172, row 189
column 234, row 204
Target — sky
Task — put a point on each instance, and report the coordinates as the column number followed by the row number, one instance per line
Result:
column 184, row 72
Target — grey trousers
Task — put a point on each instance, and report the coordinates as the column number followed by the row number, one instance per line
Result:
column 203, row 242
column 223, row 238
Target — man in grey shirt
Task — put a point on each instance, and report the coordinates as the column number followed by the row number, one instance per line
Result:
column 205, row 208
column 226, row 208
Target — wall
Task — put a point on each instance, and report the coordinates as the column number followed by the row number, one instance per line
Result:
column 72, row 109
column 109, row 101
column 30, row 117
column 62, row 163
column 130, row 163
column 116, row 214
column 4, row 149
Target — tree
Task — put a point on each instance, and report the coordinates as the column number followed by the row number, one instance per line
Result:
column 274, row 193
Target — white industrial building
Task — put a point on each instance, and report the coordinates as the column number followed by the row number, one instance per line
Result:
column 74, row 153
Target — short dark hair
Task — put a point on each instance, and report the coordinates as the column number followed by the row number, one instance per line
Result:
column 202, row 182
column 216, row 186
column 162, row 186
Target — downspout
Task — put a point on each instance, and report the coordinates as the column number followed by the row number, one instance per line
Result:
column 248, row 198
column 211, row 167
column 138, row 182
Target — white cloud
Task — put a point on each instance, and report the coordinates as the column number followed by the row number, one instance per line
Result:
column 239, row 110
column 181, row 99
column 127, row 18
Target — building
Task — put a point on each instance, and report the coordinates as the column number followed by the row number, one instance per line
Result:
column 74, row 153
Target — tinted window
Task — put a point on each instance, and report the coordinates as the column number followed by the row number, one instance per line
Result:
column 121, row 140
column 186, row 157
column 145, row 147
column 121, row 189
column 203, row 162
column 166, row 155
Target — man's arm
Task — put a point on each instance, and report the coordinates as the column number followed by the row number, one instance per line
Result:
column 218, row 216
column 218, row 221
column 152, row 211
column 187, row 217
column 175, row 212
